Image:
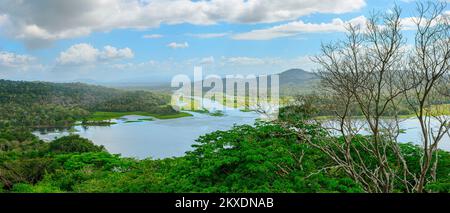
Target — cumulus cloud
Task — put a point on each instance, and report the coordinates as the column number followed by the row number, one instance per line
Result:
column 175, row 45
column 12, row 64
column 297, row 27
column 152, row 36
column 12, row 60
column 80, row 54
column 110, row 52
column 68, row 19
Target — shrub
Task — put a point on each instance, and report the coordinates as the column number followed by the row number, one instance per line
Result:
column 74, row 144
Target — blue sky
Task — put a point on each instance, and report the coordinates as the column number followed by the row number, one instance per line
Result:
column 119, row 40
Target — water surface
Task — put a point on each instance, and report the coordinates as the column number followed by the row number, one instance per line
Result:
column 157, row 138
column 173, row 137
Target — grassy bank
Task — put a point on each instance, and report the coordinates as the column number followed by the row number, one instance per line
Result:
column 217, row 113
column 101, row 116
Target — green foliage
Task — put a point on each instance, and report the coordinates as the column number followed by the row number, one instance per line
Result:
column 74, row 169
column 265, row 158
column 99, row 160
column 442, row 182
column 142, row 176
column 312, row 104
column 102, row 116
column 42, row 104
column 37, row 188
column 74, row 144
column 303, row 107
column 217, row 113
column 261, row 158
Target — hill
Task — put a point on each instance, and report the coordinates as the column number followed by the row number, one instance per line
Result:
column 297, row 81
column 292, row 81
column 55, row 104
column 297, row 77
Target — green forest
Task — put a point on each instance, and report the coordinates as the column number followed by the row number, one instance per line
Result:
column 263, row 158
column 44, row 104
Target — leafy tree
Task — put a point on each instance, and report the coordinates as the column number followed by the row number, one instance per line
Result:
column 74, row 144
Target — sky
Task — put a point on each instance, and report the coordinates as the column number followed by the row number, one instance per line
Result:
column 154, row 40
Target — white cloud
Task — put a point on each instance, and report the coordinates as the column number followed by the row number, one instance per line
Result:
column 207, row 60
column 152, row 36
column 303, row 62
column 411, row 1
column 209, row 35
column 298, row 27
column 243, row 61
column 12, row 60
column 40, row 22
column 123, row 66
column 175, row 45
column 3, row 19
column 410, row 23
column 110, row 52
column 80, row 54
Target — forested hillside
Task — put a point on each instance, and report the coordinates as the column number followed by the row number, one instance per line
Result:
column 61, row 104
column 297, row 81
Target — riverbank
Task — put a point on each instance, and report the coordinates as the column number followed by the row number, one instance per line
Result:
column 102, row 116
column 217, row 113
column 435, row 110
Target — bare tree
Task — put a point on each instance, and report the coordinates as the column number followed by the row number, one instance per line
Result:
column 368, row 70
column 364, row 72
column 370, row 75
column 428, row 69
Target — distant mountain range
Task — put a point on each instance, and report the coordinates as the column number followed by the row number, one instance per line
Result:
column 292, row 81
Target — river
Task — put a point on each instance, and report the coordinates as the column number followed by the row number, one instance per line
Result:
column 173, row 137
column 157, row 138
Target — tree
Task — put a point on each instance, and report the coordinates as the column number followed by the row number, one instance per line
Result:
column 74, row 144
column 371, row 73
column 428, row 70
column 363, row 73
